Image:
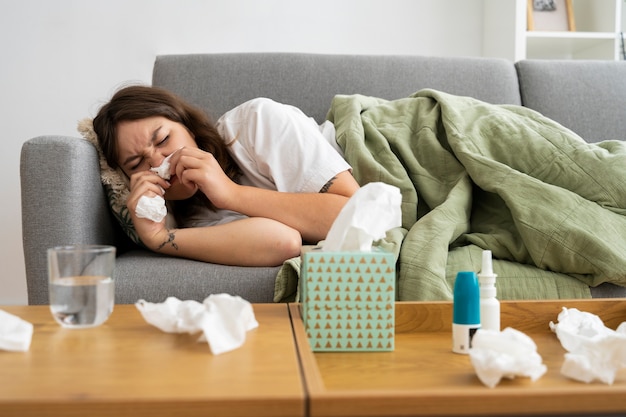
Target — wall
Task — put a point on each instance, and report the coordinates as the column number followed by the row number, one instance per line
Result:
column 62, row 59
column 623, row 29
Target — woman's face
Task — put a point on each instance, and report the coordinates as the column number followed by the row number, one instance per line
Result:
column 143, row 144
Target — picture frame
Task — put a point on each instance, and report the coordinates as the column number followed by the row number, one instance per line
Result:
column 551, row 15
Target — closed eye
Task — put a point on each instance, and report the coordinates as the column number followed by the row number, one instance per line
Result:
column 163, row 141
column 137, row 165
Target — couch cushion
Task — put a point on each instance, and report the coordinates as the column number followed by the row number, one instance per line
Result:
column 588, row 97
column 219, row 82
column 154, row 277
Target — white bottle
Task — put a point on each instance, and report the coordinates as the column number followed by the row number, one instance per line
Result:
column 489, row 304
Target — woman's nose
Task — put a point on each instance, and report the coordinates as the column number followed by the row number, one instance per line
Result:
column 155, row 160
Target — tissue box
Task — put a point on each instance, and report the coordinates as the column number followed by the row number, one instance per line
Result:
column 348, row 300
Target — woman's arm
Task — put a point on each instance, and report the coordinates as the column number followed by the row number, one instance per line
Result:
column 246, row 242
column 273, row 233
column 311, row 214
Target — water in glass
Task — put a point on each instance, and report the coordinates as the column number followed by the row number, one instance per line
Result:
column 81, row 301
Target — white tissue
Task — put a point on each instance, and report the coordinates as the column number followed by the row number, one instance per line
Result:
column 223, row 319
column 506, row 354
column 15, row 333
column 152, row 208
column 366, row 217
column 163, row 170
column 595, row 351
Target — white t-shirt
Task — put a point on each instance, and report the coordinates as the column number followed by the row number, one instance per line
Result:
column 278, row 148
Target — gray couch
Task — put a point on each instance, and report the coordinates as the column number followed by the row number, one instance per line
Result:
column 61, row 174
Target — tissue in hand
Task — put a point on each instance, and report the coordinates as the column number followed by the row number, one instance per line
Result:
column 595, row 351
column 223, row 319
column 507, row 354
column 152, row 208
column 163, row 170
column 15, row 333
column 366, row 217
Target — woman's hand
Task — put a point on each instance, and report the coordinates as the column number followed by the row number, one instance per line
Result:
column 195, row 169
column 146, row 183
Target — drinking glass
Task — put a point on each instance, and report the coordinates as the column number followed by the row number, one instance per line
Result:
column 81, row 284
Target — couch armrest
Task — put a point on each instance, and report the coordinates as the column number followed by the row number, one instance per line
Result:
column 63, row 202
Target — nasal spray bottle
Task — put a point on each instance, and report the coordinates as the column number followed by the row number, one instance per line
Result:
column 489, row 304
column 466, row 311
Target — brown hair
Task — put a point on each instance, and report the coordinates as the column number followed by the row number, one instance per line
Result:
column 140, row 102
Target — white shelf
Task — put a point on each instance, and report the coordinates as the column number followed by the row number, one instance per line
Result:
column 598, row 24
column 572, row 45
column 571, row 35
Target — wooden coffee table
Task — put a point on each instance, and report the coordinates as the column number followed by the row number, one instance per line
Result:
column 422, row 377
column 127, row 367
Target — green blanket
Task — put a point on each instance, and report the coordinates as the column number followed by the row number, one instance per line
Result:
column 477, row 176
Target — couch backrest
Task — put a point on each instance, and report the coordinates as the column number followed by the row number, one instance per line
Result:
column 588, row 97
column 219, row 82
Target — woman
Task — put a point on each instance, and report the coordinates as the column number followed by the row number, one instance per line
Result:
column 246, row 191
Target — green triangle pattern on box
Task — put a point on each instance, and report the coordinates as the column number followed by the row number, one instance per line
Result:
column 348, row 300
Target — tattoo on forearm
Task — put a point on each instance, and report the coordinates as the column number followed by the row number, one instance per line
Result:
column 328, row 185
column 171, row 235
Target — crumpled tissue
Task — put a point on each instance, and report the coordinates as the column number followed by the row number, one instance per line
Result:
column 504, row 354
column 15, row 333
column 163, row 170
column 152, row 208
column 223, row 319
column 367, row 216
column 594, row 350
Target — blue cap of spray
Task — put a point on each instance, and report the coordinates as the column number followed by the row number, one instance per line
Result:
column 466, row 311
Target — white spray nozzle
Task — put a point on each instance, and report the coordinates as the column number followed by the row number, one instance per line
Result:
column 487, row 267
column 486, row 277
